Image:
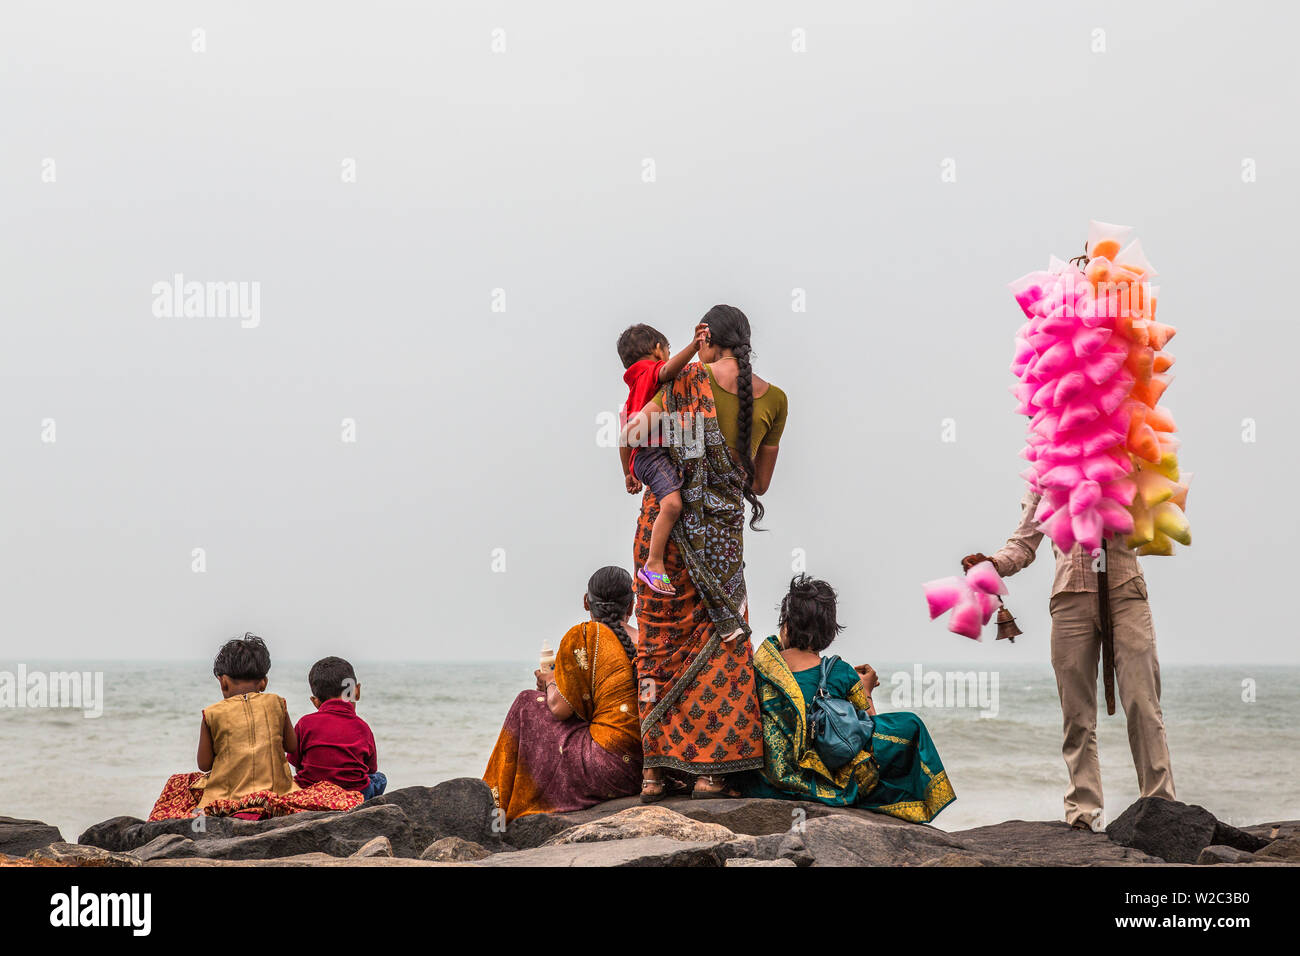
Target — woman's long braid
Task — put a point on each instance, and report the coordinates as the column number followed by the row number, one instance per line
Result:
column 610, row 595
column 729, row 329
column 745, row 391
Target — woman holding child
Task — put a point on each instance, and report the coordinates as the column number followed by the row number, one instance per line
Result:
column 698, row 703
column 574, row 741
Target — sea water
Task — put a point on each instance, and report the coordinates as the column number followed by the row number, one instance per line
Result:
column 1232, row 734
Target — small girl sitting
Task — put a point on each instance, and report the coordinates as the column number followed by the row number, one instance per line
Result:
column 243, row 739
column 243, row 770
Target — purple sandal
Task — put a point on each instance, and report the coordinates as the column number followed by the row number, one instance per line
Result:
column 657, row 582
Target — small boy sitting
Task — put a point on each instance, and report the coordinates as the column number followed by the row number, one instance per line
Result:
column 334, row 743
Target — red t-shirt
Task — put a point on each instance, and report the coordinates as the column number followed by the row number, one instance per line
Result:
column 334, row 744
column 642, row 380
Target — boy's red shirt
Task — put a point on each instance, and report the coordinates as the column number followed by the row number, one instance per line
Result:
column 334, row 744
column 642, row 380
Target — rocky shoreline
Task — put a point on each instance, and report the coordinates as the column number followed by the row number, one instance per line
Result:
column 453, row 824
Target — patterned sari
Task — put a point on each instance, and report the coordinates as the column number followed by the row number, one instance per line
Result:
column 183, row 792
column 699, row 709
column 544, row 765
column 902, row 776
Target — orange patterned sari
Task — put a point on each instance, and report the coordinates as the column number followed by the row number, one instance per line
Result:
column 699, row 707
column 544, row 765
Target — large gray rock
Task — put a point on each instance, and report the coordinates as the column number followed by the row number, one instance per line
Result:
column 1176, row 832
column 1285, row 850
column 755, row 817
column 1274, row 831
column 378, row 847
column 73, row 854
column 313, row 860
column 335, row 834
column 1043, row 843
column 638, row 851
column 745, row 861
column 852, row 840
column 453, row 849
column 527, row 833
column 18, row 837
column 124, row 834
column 461, row 807
column 1213, row 855
column 643, row 821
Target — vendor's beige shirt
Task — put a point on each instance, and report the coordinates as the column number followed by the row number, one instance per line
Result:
column 1074, row 571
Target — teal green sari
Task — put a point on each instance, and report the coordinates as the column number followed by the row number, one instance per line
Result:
column 901, row 776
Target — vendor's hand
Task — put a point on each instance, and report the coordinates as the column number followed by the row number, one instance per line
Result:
column 631, row 484
column 870, row 680
column 971, row 560
column 543, row 678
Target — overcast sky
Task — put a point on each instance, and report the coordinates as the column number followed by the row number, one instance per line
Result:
column 390, row 176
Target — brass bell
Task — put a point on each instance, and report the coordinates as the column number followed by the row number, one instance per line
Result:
column 1007, row 629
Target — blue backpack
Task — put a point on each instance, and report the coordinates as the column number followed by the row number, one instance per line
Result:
column 839, row 730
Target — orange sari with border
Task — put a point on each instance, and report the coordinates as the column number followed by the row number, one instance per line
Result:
column 699, row 703
column 544, row 765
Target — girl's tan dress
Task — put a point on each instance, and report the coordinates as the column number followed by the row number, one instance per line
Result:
column 248, row 747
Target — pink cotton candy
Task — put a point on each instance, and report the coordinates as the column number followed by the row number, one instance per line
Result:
column 1121, row 490
column 1115, row 516
column 1087, row 528
column 989, row 606
column 1057, row 359
column 1062, row 476
column 1057, row 527
column 1045, row 396
column 943, row 594
column 984, row 577
column 1103, row 468
column 967, row 618
column 1105, row 363
column 1086, row 340
column 973, row 599
column 1101, row 439
column 1085, row 494
column 1077, row 414
column 1059, row 323
column 1111, row 395
column 1068, row 386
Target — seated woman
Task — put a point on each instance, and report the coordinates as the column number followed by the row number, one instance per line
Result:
column 900, row 774
column 575, row 741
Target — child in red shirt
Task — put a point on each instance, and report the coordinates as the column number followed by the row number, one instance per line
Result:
column 644, row 352
column 334, row 743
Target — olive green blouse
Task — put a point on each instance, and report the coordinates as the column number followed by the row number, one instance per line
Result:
column 769, row 415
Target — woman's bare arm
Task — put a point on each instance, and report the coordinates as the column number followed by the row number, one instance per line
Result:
column 764, row 465
column 555, row 701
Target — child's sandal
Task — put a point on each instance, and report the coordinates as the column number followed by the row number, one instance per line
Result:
column 659, row 583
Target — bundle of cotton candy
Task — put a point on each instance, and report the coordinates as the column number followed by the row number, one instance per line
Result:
column 972, row 599
column 1090, row 370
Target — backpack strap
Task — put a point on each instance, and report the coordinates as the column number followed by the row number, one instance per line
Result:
column 828, row 664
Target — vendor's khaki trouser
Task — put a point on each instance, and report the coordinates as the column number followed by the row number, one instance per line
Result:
column 1076, row 649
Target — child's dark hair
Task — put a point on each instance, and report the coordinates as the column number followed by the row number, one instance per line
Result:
column 329, row 677
column 610, row 595
column 729, row 329
column 244, row 658
column 808, row 614
column 637, row 342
